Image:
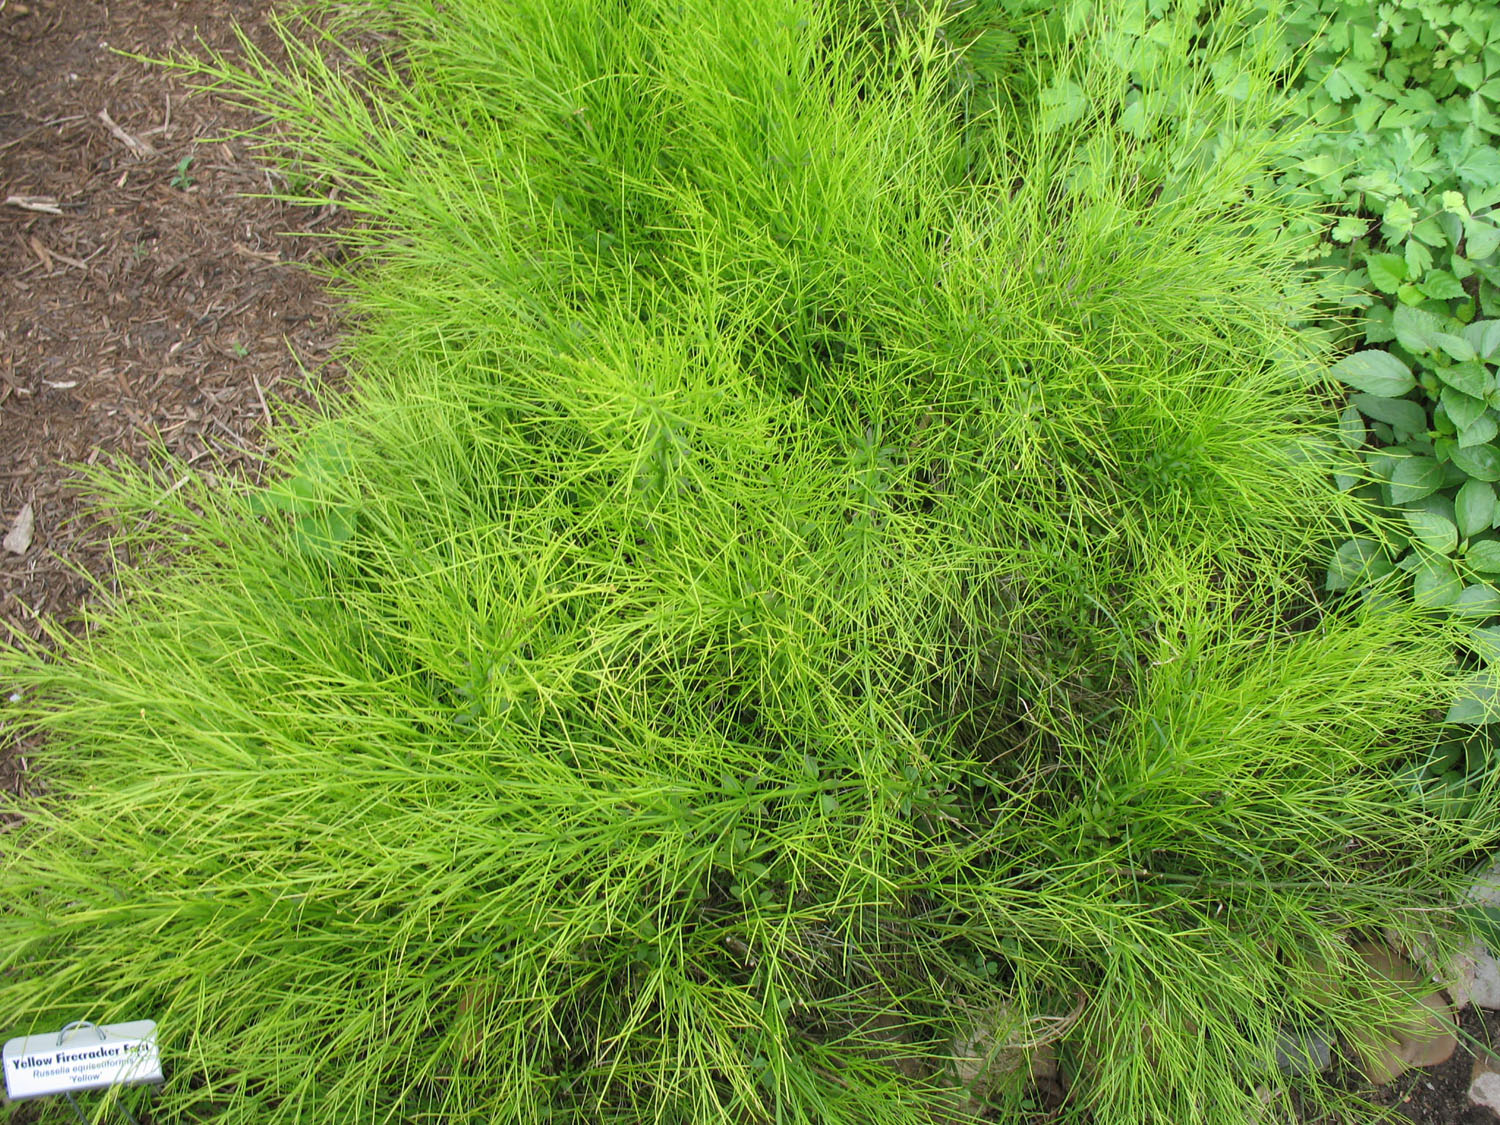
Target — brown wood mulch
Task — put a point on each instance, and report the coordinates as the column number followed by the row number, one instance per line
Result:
column 147, row 298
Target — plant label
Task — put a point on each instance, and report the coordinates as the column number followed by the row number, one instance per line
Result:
column 81, row 1058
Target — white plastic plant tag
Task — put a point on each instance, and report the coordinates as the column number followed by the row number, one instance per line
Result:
column 81, row 1057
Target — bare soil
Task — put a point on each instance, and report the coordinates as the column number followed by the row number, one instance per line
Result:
column 148, row 297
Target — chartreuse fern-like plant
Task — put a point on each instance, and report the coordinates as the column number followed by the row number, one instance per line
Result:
column 810, row 588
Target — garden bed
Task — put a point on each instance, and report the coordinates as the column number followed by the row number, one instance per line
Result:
column 194, row 346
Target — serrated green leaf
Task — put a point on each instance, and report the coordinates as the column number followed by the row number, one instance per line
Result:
column 1062, row 103
column 1416, row 329
column 1484, row 557
column 1414, row 478
column 1418, row 259
column 1399, row 216
column 1474, row 507
column 1453, row 229
column 1480, row 238
column 1471, row 378
column 1478, row 701
column 1477, row 601
column 1457, row 348
column 1375, row 372
column 1481, row 432
column 1336, row 85
column 1470, row 74
column 1400, row 413
column 1377, row 324
column 1480, row 166
column 1433, row 531
column 1441, row 285
column 1352, row 430
column 1434, row 584
column 1348, row 228
column 1463, row 410
column 1482, row 462
column 1356, row 561
column 1485, row 642
column 1484, row 335
column 1437, row 502
column 1432, row 232
column 1387, row 271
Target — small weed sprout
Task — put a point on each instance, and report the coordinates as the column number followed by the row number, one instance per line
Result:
column 180, row 179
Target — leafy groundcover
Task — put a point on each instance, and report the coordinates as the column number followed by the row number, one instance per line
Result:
column 809, row 607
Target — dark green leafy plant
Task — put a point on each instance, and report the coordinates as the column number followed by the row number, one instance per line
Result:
column 1406, row 96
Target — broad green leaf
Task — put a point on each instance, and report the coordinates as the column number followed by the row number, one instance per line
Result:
column 1433, row 531
column 1356, row 561
column 1482, row 462
column 1453, row 230
column 1376, row 373
column 1414, row 478
column 1381, row 463
column 1434, row 584
column 1477, row 601
column 1485, row 642
column 1387, row 271
column 1480, row 239
column 1458, row 348
column 1400, row 413
column 1480, row 166
column 1471, row 378
column 1478, row 702
column 1431, row 232
column 1347, row 229
column 319, row 533
column 1475, row 507
column 1481, row 432
column 1484, row 335
column 1418, row 258
column 1320, row 166
column 1399, row 216
column 1416, row 329
column 1471, row 75
column 1336, row 85
column 1352, row 430
column 1463, row 410
column 1454, row 201
column 1437, row 502
column 1484, row 557
column 293, row 495
column 1063, row 103
column 1378, row 324
column 1441, row 285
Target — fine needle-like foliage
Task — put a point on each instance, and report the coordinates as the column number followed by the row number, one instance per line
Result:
column 806, row 599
